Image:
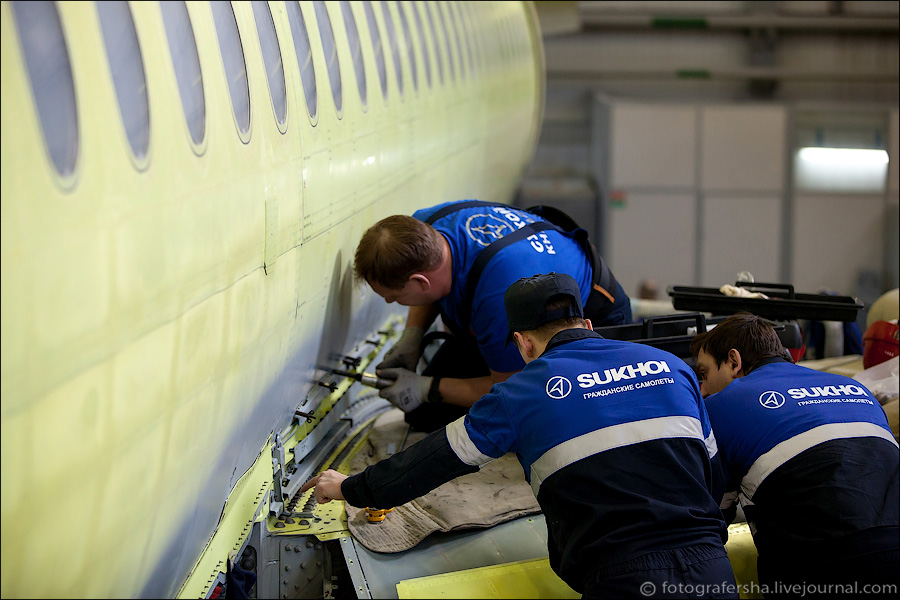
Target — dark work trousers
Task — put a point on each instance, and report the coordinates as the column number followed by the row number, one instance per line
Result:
column 458, row 357
column 875, row 574
column 701, row 571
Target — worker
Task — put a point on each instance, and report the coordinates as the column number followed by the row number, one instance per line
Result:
column 456, row 260
column 809, row 455
column 613, row 439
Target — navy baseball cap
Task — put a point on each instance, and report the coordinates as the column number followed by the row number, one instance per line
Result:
column 526, row 298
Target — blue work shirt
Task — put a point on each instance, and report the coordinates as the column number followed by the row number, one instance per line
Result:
column 613, row 437
column 468, row 231
column 811, row 458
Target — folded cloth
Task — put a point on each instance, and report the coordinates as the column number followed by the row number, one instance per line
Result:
column 883, row 379
column 733, row 290
column 495, row 494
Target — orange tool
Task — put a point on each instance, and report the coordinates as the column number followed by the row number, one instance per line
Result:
column 377, row 515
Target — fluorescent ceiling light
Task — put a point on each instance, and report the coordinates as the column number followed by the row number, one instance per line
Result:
column 843, row 156
column 850, row 170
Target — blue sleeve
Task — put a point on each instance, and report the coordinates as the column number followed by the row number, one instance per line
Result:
column 406, row 475
column 489, row 425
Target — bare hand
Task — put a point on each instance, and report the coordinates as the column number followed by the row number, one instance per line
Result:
column 328, row 486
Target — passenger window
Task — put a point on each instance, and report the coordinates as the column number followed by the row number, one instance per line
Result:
column 434, row 41
column 481, row 52
column 447, row 45
column 463, row 31
column 50, row 74
column 186, row 63
column 127, row 69
column 375, row 36
column 395, row 46
column 268, row 43
column 233, row 60
column 304, row 55
column 409, row 46
column 355, row 49
column 330, row 49
column 423, row 43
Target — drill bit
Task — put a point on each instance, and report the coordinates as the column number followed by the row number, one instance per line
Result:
column 369, row 379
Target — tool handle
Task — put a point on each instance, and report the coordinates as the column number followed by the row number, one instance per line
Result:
column 372, row 380
column 369, row 379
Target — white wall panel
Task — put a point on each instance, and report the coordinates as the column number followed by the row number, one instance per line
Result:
column 834, row 236
column 740, row 234
column 652, row 236
column 892, row 241
column 894, row 157
column 743, row 148
column 653, row 145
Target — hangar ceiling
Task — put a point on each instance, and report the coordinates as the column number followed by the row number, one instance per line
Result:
column 808, row 51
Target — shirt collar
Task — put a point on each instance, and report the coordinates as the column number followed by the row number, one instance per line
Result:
column 769, row 361
column 569, row 335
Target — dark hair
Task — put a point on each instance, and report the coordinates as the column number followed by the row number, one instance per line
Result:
column 751, row 335
column 548, row 330
column 396, row 247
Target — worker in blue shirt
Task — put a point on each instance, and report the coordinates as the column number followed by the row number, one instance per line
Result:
column 810, row 457
column 611, row 435
column 456, row 260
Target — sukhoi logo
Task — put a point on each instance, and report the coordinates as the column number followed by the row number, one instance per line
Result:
column 558, row 387
column 651, row 367
column 485, row 229
column 771, row 399
column 826, row 391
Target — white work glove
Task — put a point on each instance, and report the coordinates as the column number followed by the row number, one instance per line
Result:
column 408, row 390
column 406, row 352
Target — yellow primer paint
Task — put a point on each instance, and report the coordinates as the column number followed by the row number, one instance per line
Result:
column 243, row 508
column 742, row 554
column 535, row 579
column 154, row 308
column 248, row 498
column 521, row 579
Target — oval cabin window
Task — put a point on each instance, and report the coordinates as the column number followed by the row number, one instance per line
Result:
column 330, row 49
column 423, row 43
column 409, row 46
column 355, row 49
column 50, row 74
column 268, row 43
column 186, row 62
column 375, row 36
column 450, row 60
column 233, row 60
column 304, row 56
column 127, row 69
column 395, row 45
column 457, row 25
column 468, row 31
column 434, row 43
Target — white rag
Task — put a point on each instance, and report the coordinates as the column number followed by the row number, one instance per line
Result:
column 733, row 290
